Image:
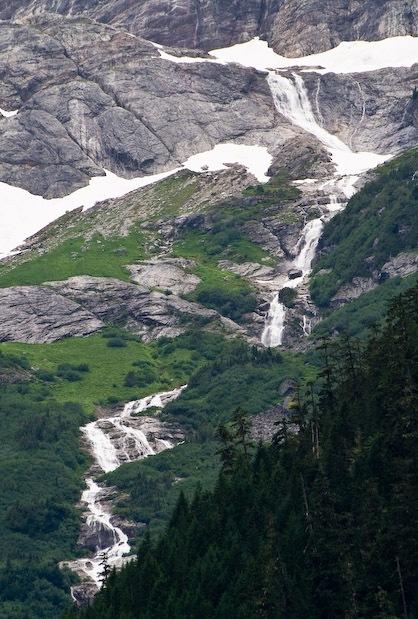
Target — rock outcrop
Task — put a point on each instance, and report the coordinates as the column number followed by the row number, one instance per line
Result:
column 167, row 274
column 293, row 27
column 127, row 110
column 122, row 108
column 372, row 111
column 82, row 305
column 37, row 314
column 402, row 265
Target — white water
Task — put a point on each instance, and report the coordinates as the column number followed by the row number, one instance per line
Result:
column 305, row 249
column 292, row 101
column 22, row 214
column 120, row 443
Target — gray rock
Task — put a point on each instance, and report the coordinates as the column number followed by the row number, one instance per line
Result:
column 82, row 305
column 294, row 273
column 287, row 387
column 369, row 111
column 251, row 270
column 353, row 290
column 401, row 266
column 166, row 274
column 293, row 27
column 82, row 112
column 36, row 314
column 266, row 424
column 148, row 314
column 159, row 435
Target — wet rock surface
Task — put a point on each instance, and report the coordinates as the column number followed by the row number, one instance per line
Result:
column 122, row 108
column 125, row 436
column 127, row 110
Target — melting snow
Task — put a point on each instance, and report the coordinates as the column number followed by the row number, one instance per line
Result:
column 22, row 213
column 256, row 159
column 8, row 114
column 348, row 57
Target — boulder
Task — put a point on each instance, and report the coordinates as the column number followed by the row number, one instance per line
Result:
column 168, row 274
column 294, row 273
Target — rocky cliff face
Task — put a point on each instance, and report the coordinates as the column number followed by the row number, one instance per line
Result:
column 293, row 27
column 125, row 109
column 122, row 108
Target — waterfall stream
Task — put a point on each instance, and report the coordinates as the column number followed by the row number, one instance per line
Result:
column 292, row 101
column 114, row 441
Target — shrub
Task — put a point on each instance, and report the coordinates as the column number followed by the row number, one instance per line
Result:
column 287, row 296
column 68, row 372
column 116, row 342
column 46, row 376
column 231, row 303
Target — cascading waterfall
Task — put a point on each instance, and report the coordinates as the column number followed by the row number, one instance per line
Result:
column 305, row 249
column 292, row 101
column 114, row 441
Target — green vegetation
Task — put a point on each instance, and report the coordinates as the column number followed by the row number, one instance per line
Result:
column 288, row 296
column 226, row 239
column 169, row 365
column 220, row 244
column 379, row 222
column 42, row 462
column 360, row 315
column 239, row 377
column 172, row 193
column 235, row 376
column 151, row 487
column 99, row 256
column 279, row 188
column 321, row 524
column 219, row 289
column 41, row 480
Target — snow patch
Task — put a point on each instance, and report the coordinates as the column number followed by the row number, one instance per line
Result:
column 348, row 57
column 22, row 213
column 7, row 114
column 256, row 159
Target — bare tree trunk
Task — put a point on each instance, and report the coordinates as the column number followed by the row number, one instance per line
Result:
column 398, row 566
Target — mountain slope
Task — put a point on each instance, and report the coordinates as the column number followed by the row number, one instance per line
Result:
column 321, row 524
column 373, row 239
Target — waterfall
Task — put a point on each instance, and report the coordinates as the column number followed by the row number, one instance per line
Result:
column 114, row 441
column 292, row 101
column 305, row 249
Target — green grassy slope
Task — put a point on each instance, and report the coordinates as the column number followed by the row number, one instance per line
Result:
column 379, row 222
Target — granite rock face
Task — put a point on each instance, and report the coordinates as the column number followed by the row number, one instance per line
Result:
column 36, row 314
column 82, row 305
column 169, row 274
column 293, row 27
column 121, row 108
column 372, row 111
column 125, row 109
